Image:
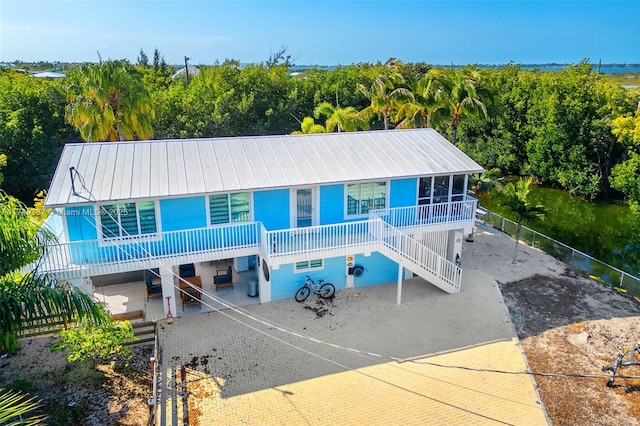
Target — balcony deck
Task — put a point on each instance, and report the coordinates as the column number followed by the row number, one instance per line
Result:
column 91, row 258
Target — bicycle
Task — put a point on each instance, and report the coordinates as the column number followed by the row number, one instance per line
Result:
column 322, row 289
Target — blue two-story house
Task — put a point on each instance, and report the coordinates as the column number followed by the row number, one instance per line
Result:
column 392, row 202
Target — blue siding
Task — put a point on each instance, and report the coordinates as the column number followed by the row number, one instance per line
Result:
column 183, row 213
column 203, row 239
column 81, row 223
column 404, row 192
column 272, row 208
column 284, row 283
column 379, row 269
column 331, row 204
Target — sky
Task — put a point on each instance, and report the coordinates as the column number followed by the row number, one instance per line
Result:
column 322, row 32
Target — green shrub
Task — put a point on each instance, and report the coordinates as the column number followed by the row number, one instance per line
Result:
column 101, row 343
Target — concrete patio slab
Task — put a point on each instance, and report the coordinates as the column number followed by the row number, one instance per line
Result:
column 127, row 298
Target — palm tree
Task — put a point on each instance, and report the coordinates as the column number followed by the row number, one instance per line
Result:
column 341, row 119
column 416, row 107
column 309, row 126
column 383, row 93
column 13, row 405
column 109, row 104
column 459, row 94
column 32, row 295
column 516, row 197
column 489, row 180
column 486, row 181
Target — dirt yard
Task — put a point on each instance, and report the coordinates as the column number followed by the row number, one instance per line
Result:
column 567, row 323
column 80, row 394
column 573, row 325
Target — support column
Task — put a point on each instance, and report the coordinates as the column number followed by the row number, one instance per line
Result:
column 350, row 279
column 399, row 295
column 454, row 246
column 264, row 281
column 168, row 290
column 83, row 283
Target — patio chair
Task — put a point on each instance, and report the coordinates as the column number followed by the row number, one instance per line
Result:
column 187, row 270
column 153, row 290
column 223, row 278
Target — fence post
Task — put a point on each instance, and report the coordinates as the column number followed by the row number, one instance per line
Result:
column 153, row 402
column 573, row 252
column 533, row 238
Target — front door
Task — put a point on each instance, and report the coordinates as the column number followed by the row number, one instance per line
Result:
column 303, row 208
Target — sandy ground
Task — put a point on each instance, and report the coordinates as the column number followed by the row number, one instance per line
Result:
column 568, row 324
column 492, row 252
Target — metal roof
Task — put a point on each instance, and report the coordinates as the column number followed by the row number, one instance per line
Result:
column 48, row 74
column 182, row 71
column 114, row 171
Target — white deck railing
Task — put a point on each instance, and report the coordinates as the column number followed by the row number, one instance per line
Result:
column 103, row 257
column 287, row 245
column 427, row 215
column 420, row 259
column 386, row 230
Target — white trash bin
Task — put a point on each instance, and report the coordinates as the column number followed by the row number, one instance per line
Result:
column 253, row 288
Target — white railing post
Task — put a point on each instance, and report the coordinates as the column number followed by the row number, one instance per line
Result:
column 265, row 242
column 399, row 290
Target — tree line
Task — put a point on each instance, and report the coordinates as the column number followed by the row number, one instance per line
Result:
column 571, row 128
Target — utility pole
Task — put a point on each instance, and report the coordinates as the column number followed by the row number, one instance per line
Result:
column 186, row 68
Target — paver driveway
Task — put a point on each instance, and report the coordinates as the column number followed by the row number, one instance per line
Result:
column 357, row 359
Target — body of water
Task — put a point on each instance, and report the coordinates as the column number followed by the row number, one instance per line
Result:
column 543, row 67
column 603, row 69
column 607, row 231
